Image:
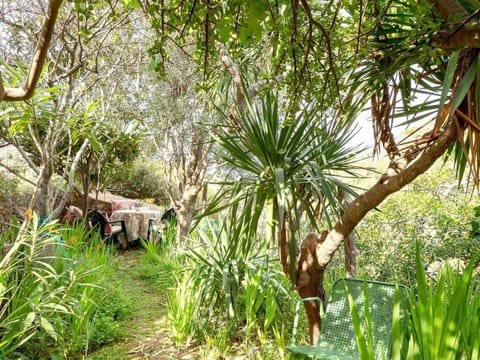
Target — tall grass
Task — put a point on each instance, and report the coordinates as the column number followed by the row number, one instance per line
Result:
column 444, row 316
column 49, row 291
column 229, row 282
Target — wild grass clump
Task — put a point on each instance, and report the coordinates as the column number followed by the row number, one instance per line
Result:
column 232, row 283
column 158, row 265
column 444, row 317
column 51, row 286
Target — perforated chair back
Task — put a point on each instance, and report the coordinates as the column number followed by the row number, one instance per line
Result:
column 109, row 230
column 338, row 340
column 96, row 220
column 337, row 326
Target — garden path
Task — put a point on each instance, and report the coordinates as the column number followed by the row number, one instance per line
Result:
column 147, row 335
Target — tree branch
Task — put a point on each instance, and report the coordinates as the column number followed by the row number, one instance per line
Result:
column 392, row 181
column 447, row 8
column 26, row 92
column 469, row 38
column 17, row 174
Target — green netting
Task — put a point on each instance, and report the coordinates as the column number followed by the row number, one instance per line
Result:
column 337, row 326
column 338, row 335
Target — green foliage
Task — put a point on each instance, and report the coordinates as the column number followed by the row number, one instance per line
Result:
column 437, row 320
column 285, row 166
column 51, row 286
column 11, row 199
column 219, row 262
column 443, row 322
column 366, row 347
column 475, row 223
column 183, row 311
column 229, row 281
column 432, row 212
column 113, row 308
column 159, row 265
column 138, row 181
column 276, row 38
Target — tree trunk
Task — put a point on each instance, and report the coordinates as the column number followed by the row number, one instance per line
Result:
column 350, row 256
column 190, row 177
column 399, row 174
column 310, row 282
column 317, row 251
column 41, row 199
column 70, row 184
column 185, row 210
column 349, row 243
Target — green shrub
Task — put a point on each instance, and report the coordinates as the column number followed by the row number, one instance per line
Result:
column 430, row 212
column 444, row 316
column 140, row 181
column 12, row 199
column 229, row 281
column 51, row 285
column 441, row 318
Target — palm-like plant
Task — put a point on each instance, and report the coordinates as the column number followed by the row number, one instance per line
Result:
column 288, row 166
column 420, row 72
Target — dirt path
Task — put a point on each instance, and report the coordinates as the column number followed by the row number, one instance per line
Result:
column 147, row 328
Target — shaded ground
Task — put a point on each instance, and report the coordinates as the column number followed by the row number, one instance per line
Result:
column 147, row 335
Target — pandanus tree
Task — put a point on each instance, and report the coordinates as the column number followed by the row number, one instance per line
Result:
column 414, row 63
column 291, row 170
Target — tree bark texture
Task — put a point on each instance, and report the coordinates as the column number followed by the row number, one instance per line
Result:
column 309, row 282
column 350, row 256
column 192, row 180
column 46, row 34
column 396, row 177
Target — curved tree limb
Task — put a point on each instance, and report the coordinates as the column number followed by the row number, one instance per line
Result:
column 46, row 34
column 460, row 37
column 447, row 8
column 469, row 38
column 399, row 174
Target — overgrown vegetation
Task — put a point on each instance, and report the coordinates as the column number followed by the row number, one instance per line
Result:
column 57, row 298
column 12, row 201
column 291, row 79
column 139, row 181
column 433, row 213
column 226, row 281
column 223, row 281
column 437, row 320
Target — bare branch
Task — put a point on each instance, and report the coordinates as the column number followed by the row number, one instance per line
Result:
column 26, row 92
column 17, row 174
column 392, row 181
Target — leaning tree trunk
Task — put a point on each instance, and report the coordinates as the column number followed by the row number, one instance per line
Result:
column 310, row 282
column 317, row 251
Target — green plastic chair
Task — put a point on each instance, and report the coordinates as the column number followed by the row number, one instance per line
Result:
column 337, row 340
